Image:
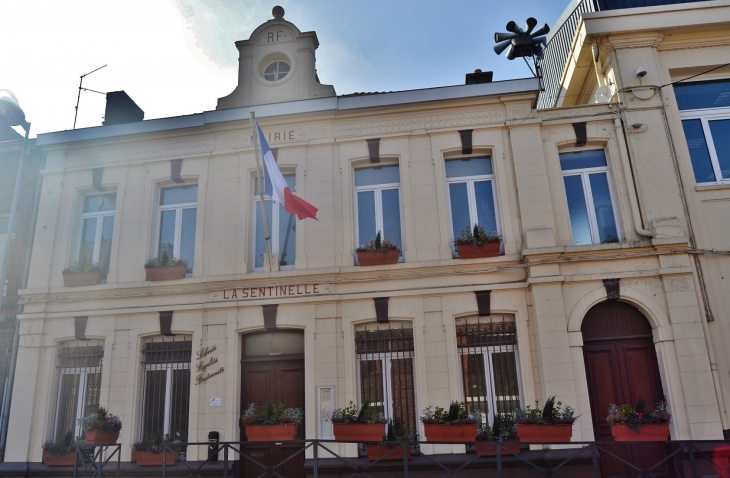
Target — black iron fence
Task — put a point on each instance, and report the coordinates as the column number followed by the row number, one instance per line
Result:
column 92, row 459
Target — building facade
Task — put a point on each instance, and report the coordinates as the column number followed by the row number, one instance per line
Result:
column 593, row 230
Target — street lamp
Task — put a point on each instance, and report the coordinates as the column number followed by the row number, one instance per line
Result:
column 12, row 114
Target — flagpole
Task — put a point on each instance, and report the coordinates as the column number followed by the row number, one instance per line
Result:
column 260, row 175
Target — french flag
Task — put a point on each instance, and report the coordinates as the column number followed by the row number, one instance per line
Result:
column 275, row 186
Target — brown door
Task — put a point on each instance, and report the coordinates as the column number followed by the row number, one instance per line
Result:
column 621, row 367
column 275, row 380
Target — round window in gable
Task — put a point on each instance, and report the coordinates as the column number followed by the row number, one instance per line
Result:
column 276, row 71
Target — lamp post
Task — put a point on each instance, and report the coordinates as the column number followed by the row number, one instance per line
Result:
column 12, row 114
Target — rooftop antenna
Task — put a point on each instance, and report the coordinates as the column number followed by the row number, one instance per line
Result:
column 81, row 81
column 523, row 43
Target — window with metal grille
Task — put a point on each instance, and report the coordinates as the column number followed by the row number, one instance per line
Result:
column 79, row 385
column 166, row 401
column 385, row 368
column 489, row 363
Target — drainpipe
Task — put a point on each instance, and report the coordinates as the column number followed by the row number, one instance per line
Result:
column 630, row 185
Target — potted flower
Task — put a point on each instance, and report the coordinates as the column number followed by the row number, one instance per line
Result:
column 502, row 431
column 271, row 422
column 363, row 425
column 389, row 449
column 452, row 426
column 101, row 428
column 81, row 273
column 164, row 267
column 639, row 424
column 551, row 424
column 477, row 243
column 61, row 452
column 378, row 252
column 150, row 452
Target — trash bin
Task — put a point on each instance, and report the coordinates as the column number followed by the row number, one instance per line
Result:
column 213, row 439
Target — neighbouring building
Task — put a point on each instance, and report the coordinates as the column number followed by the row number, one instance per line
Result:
column 602, row 289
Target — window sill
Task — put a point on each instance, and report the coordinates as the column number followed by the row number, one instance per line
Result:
column 712, row 187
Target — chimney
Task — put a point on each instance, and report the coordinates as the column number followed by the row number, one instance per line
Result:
column 120, row 109
column 478, row 77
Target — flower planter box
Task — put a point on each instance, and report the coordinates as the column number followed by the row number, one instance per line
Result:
column 166, row 273
column 147, row 458
column 77, row 279
column 545, row 433
column 360, row 432
column 491, row 448
column 646, row 432
column 450, row 433
column 379, row 452
column 98, row 437
column 68, row 459
column 471, row 251
column 378, row 258
column 279, row 432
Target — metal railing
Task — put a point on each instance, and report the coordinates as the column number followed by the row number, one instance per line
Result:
column 91, row 460
column 693, row 459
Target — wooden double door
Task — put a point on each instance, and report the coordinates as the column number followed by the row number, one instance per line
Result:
column 273, row 381
column 621, row 368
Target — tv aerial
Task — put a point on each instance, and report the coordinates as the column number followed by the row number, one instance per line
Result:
column 81, row 88
column 523, row 43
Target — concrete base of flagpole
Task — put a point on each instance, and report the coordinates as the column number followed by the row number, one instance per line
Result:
column 271, row 262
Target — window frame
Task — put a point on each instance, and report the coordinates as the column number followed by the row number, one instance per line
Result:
column 168, row 368
column 377, row 190
column 178, row 208
column 471, row 197
column 588, row 197
column 274, row 232
column 276, row 72
column 705, row 115
column 100, row 216
column 83, row 371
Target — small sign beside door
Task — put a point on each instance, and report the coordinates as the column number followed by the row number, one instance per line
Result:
column 215, row 402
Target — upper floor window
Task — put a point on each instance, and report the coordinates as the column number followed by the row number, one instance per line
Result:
column 277, row 70
column 79, row 386
column 177, row 215
column 97, row 227
column 377, row 202
column 705, row 112
column 282, row 229
column 590, row 200
column 472, row 195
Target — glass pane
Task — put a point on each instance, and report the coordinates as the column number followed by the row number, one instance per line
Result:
column 721, row 137
column 4, row 220
column 283, row 69
column 180, row 405
column 271, row 68
column 578, row 211
column 88, row 237
column 260, row 247
column 93, row 392
column 457, row 168
column 105, row 248
column 692, row 96
column 67, row 402
column 698, row 151
column 506, row 386
column 371, row 384
column 486, row 216
column 274, row 343
column 104, row 202
column 377, row 175
column 404, row 402
column 287, row 238
column 153, row 415
column 179, row 195
column 366, row 217
column 270, row 77
column 460, row 219
column 605, row 219
column 167, row 233
column 475, row 384
column 187, row 236
column 592, row 158
column 391, row 216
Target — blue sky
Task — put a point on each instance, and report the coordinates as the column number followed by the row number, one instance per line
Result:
column 176, row 57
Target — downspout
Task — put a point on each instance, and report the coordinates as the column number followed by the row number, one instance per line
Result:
column 630, row 185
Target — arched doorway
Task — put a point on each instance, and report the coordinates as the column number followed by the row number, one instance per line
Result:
column 272, row 371
column 621, row 367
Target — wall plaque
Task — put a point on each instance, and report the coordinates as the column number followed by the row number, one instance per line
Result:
column 272, row 292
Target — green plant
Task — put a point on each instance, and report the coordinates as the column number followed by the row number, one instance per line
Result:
column 456, row 415
column 377, row 245
column 84, row 265
column 155, row 444
column 271, row 414
column 62, row 445
column 610, row 238
column 102, row 421
column 395, row 433
column 163, row 260
column 503, row 428
column 638, row 416
column 553, row 413
column 476, row 236
column 352, row 414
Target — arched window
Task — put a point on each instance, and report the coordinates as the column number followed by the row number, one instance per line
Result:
column 79, row 385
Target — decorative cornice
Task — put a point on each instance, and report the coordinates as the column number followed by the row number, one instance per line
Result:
column 410, row 124
column 165, row 151
column 643, row 40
